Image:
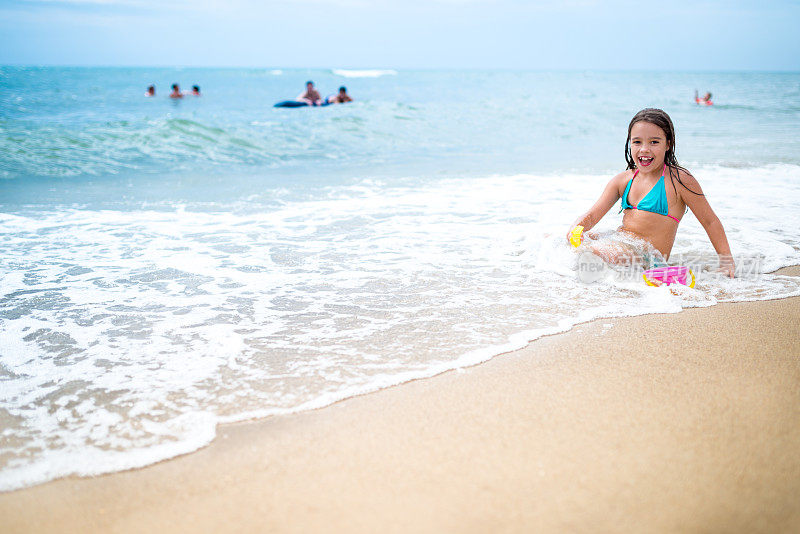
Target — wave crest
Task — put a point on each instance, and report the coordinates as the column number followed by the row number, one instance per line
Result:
column 365, row 73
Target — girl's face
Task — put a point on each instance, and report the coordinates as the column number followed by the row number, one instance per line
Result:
column 648, row 146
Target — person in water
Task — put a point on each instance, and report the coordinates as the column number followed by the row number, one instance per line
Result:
column 341, row 98
column 656, row 192
column 706, row 99
column 311, row 96
column 151, row 91
column 176, row 91
column 195, row 90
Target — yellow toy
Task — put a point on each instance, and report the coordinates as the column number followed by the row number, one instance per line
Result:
column 575, row 236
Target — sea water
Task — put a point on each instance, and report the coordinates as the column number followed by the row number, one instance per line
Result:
column 168, row 265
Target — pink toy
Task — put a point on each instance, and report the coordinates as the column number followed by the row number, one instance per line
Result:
column 669, row 276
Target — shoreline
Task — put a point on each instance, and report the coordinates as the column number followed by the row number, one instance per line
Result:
column 501, row 445
column 465, row 361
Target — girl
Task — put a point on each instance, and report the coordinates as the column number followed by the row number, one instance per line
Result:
column 655, row 193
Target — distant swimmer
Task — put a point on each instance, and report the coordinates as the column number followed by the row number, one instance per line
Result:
column 341, row 98
column 176, row 91
column 704, row 100
column 311, row 96
column 151, row 91
column 195, row 90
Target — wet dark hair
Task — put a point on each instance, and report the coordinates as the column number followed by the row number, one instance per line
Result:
column 174, row 86
column 343, row 89
column 196, row 88
column 658, row 118
column 309, row 82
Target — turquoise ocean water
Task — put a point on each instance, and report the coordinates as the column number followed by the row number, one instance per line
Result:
column 169, row 265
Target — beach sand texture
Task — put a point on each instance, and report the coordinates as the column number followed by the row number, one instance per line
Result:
column 687, row 422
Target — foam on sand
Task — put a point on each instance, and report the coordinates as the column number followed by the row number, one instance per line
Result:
column 617, row 424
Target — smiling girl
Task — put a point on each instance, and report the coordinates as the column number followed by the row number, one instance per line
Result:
column 655, row 193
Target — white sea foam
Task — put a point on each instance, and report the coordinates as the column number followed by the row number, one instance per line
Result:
column 368, row 73
column 128, row 335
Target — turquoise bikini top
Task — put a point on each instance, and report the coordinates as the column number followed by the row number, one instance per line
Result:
column 655, row 201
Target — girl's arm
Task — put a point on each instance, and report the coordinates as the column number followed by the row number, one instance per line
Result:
column 607, row 199
column 713, row 227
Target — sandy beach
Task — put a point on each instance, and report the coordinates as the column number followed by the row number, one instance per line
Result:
column 684, row 422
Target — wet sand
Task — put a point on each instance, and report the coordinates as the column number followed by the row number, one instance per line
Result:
column 660, row 423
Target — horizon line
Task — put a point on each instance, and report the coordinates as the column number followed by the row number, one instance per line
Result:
column 398, row 69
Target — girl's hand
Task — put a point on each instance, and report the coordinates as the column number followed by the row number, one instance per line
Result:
column 726, row 265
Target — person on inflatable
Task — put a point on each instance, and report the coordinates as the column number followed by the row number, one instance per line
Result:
column 341, row 98
column 656, row 192
column 706, row 99
column 311, row 96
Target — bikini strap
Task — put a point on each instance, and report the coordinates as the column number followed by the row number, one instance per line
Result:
column 663, row 173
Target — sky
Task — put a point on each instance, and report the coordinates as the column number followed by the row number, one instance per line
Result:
column 405, row 34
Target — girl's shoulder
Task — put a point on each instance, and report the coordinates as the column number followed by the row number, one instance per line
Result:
column 683, row 176
column 684, row 182
column 683, row 172
column 622, row 179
